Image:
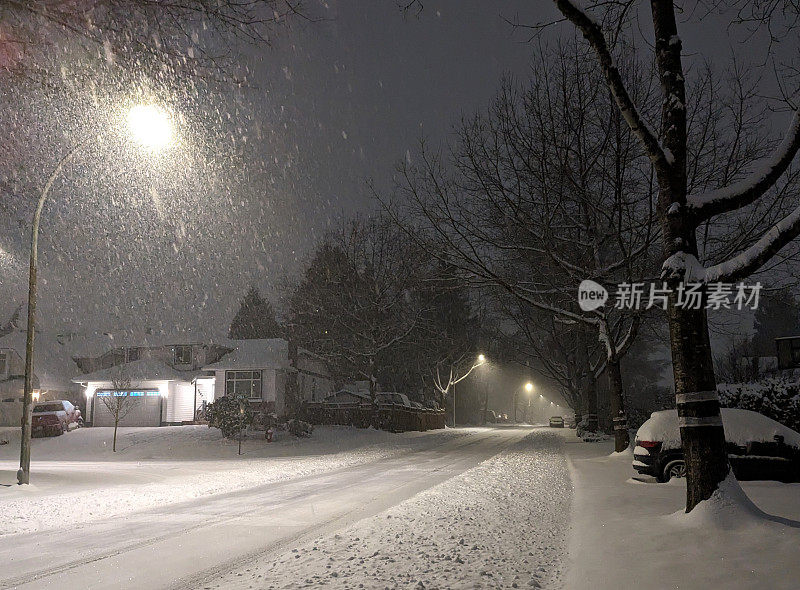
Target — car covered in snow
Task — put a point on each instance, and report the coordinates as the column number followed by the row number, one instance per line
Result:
column 556, row 422
column 758, row 447
column 391, row 398
column 55, row 417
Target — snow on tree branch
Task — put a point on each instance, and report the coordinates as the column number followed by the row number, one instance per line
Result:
column 743, row 264
column 593, row 33
column 742, row 193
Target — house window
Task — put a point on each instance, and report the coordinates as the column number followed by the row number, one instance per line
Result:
column 131, row 354
column 245, row 383
column 182, row 355
column 3, row 364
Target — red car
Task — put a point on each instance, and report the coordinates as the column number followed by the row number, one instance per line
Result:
column 54, row 418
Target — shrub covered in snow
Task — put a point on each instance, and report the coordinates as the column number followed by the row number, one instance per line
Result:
column 299, row 427
column 777, row 398
column 230, row 414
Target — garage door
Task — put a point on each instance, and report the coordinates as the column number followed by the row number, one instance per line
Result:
column 136, row 407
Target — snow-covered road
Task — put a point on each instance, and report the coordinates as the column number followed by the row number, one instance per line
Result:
column 494, row 504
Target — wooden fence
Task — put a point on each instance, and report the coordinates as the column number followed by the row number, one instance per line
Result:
column 391, row 417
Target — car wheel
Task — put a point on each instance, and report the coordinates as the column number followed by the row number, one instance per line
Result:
column 676, row 468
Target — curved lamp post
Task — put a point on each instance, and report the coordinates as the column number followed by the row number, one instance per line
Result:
column 150, row 126
column 481, row 360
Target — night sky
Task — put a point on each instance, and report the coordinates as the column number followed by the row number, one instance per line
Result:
column 266, row 169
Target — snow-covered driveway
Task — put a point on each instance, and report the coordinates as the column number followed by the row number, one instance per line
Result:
column 500, row 498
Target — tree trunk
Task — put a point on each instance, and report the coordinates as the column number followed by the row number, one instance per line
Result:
column 373, row 395
column 114, row 444
column 590, row 401
column 702, row 435
column 699, row 417
column 578, row 409
column 454, row 405
column 618, row 418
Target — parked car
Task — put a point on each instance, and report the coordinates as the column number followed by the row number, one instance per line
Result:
column 758, row 447
column 556, row 422
column 55, row 417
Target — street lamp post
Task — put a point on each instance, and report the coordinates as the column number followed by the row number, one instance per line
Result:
column 528, row 389
column 481, row 360
column 150, row 126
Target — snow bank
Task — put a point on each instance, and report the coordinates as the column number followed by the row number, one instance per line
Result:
column 740, row 426
column 727, row 508
column 630, row 534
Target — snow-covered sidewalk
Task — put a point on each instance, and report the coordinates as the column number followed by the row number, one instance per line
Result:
column 629, row 534
column 502, row 524
column 78, row 473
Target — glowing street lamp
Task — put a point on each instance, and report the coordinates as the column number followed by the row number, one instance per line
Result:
column 151, row 127
column 481, row 358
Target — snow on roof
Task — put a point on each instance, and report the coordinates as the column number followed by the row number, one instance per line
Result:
column 95, row 344
column 741, row 426
column 254, row 354
column 141, row 370
column 52, row 360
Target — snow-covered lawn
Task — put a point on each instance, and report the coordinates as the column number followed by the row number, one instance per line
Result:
column 502, row 524
column 77, row 476
column 629, row 534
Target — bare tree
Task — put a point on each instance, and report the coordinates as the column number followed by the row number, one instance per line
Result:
column 681, row 214
column 118, row 402
column 192, row 36
column 538, row 195
column 455, row 371
column 355, row 306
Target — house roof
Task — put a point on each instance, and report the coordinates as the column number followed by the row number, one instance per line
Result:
column 253, row 354
column 95, row 344
column 141, row 370
column 52, row 361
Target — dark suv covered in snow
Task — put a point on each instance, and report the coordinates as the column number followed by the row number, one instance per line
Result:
column 758, row 447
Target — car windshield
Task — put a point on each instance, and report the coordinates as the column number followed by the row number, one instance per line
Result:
column 53, row 407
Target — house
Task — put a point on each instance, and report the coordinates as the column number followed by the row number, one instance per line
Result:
column 169, row 383
column 259, row 370
column 53, row 370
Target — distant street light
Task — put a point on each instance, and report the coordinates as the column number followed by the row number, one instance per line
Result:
column 528, row 389
column 481, row 358
column 151, row 127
